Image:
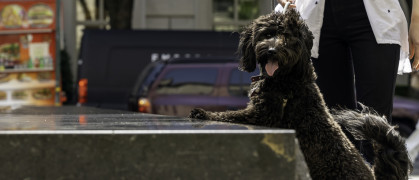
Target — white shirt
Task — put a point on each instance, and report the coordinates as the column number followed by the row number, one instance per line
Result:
column 387, row 20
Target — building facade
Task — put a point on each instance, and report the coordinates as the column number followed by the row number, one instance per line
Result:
column 217, row 15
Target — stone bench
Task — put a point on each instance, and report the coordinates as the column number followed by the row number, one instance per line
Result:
column 90, row 143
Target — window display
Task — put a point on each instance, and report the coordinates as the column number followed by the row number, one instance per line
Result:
column 28, row 53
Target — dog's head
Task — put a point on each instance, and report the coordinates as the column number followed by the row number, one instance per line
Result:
column 277, row 42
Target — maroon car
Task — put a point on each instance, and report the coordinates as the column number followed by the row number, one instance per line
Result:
column 214, row 84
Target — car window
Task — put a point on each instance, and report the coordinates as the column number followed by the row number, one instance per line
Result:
column 146, row 78
column 188, row 81
column 150, row 79
column 239, row 83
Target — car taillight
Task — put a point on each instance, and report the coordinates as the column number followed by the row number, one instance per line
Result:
column 82, row 91
column 144, row 105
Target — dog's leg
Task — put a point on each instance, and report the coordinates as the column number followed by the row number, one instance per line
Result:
column 246, row 116
column 328, row 152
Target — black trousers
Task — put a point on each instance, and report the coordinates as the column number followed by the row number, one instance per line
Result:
column 352, row 67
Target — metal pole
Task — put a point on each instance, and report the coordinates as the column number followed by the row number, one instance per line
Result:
column 101, row 13
column 143, row 23
column 57, row 53
column 236, row 10
column 273, row 4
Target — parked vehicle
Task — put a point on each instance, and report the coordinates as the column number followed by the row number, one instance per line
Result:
column 405, row 115
column 176, row 86
column 111, row 60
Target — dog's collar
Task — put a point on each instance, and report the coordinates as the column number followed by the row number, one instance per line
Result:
column 257, row 78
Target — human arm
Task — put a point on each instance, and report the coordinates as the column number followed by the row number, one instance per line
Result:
column 413, row 34
column 283, row 2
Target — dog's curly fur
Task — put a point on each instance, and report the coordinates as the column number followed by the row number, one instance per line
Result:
column 289, row 98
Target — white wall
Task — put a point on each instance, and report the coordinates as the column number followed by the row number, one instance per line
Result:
column 172, row 14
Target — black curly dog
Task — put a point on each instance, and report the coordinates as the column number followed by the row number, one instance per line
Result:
column 285, row 95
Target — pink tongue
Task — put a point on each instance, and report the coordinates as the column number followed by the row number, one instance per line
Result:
column 271, row 67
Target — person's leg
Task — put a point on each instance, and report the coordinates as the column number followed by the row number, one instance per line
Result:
column 335, row 75
column 336, row 82
column 375, row 69
column 375, row 65
column 375, row 74
column 333, row 66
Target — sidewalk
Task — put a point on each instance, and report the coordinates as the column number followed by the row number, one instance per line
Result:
column 413, row 148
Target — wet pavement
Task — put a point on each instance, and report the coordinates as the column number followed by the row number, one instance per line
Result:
column 90, row 118
column 415, row 173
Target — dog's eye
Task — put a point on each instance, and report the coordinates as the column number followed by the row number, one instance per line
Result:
column 268, row 35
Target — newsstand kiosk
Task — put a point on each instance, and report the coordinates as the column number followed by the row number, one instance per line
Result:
column 29, row 53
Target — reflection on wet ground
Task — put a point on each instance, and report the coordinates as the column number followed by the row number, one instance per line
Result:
column 89, row 118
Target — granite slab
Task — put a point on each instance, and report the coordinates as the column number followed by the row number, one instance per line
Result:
column 92, row 143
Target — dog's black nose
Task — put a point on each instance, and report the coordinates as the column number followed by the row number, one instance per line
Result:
column 271, row 51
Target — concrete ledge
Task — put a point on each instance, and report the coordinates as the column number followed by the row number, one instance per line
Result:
column 149, row 156
column 90, row 143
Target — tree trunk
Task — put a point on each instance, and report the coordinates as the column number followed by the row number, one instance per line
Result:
column 86, row 10
column 120, row 13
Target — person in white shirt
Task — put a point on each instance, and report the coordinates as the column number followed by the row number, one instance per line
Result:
column 359, row 48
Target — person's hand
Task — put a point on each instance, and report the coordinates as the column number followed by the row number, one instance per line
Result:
column 414, row 44
column 283, row 2
column 414, row 35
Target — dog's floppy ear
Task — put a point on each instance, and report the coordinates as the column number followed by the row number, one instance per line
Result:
column 246, row 50
column 308, row 36
column 301, row 28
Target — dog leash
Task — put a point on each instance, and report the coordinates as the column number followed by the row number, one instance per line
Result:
column 286, row 6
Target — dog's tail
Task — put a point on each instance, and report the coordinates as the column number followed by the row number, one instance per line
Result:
column 391, row 157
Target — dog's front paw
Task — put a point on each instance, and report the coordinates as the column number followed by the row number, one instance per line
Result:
column 198, row 113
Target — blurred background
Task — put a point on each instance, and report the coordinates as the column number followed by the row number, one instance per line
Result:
column 152, row 56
